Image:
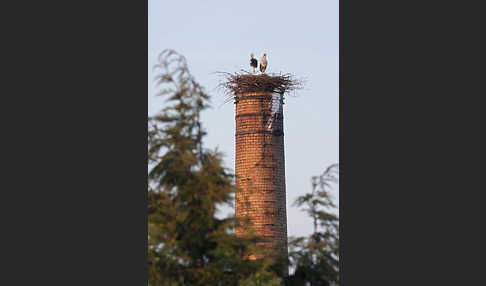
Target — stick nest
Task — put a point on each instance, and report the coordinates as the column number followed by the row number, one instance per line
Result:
column 244, row 82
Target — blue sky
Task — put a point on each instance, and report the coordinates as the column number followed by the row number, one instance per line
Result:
column 300, row 37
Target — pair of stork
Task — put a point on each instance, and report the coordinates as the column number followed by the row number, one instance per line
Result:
column 263, row 62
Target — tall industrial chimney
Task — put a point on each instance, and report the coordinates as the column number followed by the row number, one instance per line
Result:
column 260, row 166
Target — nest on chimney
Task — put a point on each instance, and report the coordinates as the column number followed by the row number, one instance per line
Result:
column 244, row 82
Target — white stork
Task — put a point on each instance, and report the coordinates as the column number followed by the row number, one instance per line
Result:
column 253, row 62
column 263, row 63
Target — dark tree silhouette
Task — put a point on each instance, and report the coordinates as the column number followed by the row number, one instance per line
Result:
column 316, row 258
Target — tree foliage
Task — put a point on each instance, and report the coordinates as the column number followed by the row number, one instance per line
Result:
column 187, row 243
column 316, row 258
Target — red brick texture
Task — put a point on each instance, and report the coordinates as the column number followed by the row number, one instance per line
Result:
column 260, row 166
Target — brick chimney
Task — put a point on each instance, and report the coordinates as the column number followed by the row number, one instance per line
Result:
column 260, row 166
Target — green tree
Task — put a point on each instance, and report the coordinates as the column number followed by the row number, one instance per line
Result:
column 316, row 258
column 187, row 243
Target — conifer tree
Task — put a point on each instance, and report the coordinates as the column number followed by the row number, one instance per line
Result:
column 316, row 258
column 187, row 243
